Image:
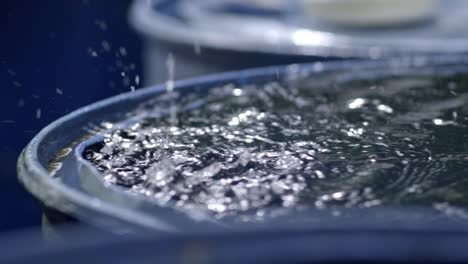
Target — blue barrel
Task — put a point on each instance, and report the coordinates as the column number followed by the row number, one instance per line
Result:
column 214, row 36
column 72, row 189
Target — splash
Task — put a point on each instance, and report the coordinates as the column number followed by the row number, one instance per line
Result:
column 397, row 141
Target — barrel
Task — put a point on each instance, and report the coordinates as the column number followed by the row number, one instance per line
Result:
column 204, row 37
column 71, row 190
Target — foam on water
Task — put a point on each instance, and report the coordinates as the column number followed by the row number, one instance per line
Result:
column 395, row 141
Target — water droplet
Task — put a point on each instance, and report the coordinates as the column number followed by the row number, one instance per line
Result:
column 338, row 195
column 38, row 113
column 356, row 103
column 106, row 46
column 385, row 108
column 440, row 122
column 137, row 80
column 319, row 174
column 237, row 92
column 123, row 51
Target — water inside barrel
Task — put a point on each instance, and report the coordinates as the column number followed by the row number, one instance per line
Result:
column 396, row 141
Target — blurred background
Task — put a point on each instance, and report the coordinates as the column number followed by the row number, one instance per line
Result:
column 55, row 56
column 59, row 55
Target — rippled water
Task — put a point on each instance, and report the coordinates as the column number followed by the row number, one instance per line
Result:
column 394, row 141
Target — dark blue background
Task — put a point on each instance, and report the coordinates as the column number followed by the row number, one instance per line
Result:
column 48, row 45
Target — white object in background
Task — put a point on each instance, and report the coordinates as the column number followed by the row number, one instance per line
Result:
column 370, row 12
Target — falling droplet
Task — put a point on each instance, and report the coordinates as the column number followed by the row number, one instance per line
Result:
column 123, row 51
column 356, row 103
column 385, row 108
column 440, row 122
column 170, row 64
column 106, row 45
column 38, row 113
column 237, row 92
column 92, row 52
column 319, row 174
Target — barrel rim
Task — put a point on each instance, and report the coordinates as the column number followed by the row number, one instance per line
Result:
column 38, row 181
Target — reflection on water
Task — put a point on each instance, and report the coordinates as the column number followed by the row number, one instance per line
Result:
column 395, row 141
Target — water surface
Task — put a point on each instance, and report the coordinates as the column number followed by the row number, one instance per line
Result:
column 396, row 141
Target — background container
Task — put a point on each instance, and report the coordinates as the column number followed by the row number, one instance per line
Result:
column 215, row 36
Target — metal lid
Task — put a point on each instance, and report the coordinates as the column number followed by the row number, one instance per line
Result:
column 239, row 26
